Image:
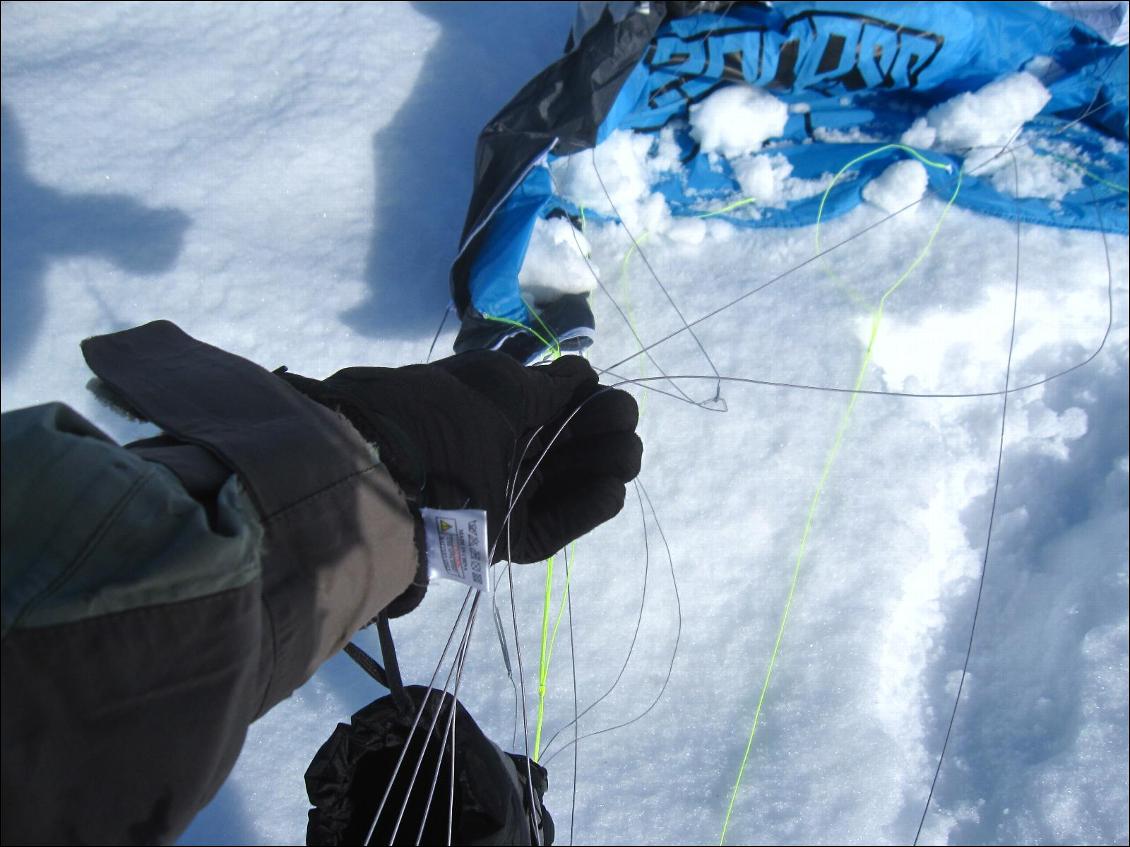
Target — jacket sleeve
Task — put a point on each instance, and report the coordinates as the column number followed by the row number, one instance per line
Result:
column 157, row 599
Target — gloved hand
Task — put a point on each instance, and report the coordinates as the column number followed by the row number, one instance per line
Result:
column 470, row 431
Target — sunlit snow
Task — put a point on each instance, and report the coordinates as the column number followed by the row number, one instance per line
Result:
column 289, row 181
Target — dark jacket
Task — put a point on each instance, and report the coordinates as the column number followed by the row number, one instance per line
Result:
column 159, row 597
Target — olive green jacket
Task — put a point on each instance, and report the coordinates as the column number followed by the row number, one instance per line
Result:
column 159, row 597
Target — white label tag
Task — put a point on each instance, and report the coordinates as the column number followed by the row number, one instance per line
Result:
column 457, row 545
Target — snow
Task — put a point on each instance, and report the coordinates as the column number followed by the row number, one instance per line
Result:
column 1039, row 172
column 767, row 179
column 990, row 116
column 626, row 166
column 288, row 181
column 737, row 119
column 555, row 262
column 897, row 186
column 844, row 136
column 762, row 178
column 920, row 134
column 979, row 123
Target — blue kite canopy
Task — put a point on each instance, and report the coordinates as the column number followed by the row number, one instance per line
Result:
column 848, row 70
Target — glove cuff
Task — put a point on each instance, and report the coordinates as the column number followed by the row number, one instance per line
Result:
column 399, row 452
column 413, row 595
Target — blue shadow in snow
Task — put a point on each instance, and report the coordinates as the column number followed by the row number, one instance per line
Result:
column 423, row 159
column 40, row 223
column 1051, row 579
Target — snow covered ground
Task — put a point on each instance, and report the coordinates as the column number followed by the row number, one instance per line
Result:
column 288, row 181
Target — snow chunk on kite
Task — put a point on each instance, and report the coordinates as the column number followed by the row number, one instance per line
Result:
column 768, row 179
column 990, row 116
column 983, row 121
column 616, row 178
column 762, row 177
column 898, row 186
column 1048, row 171
column 737, row 120
column 555, row 263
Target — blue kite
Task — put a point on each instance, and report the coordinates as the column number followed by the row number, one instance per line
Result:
column 847, row 70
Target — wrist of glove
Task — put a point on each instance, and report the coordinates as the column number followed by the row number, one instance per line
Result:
column 475, row 430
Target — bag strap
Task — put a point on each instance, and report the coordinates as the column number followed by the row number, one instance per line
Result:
column 389, row 675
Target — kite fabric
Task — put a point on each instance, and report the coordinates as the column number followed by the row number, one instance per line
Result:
column 855, row 77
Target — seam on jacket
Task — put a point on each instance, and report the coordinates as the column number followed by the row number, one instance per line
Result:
column 269, row 676
column 321, row 492
column 88, row 548
column 156, row 609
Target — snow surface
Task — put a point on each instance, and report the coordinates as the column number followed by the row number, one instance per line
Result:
column 288, row 181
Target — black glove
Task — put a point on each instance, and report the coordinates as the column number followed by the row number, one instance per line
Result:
column 458, row 433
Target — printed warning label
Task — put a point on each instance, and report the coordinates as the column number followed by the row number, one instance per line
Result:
column 457, row 545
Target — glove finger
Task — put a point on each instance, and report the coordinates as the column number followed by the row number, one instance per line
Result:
column 312, row 388
column 575, row 368
column 360, row 375
column 497, row 379
column 557, row 387
column 610, row 410
column 527, row 397
column 614, row 454
column 477, row 368
column 560, row 514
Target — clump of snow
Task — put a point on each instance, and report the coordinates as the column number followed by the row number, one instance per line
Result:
column 555, row 262
column 990, row 116
column 1113, row 146
column 767, row 178
column 626, row 166
column 981, row 121
column 762, row 177
column 854, row 135
column 920, row 134
column 737, row 119
column 1037, row 174
column 898, row 186
column 618, row 178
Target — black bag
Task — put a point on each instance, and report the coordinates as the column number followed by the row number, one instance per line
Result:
column 493, row 800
